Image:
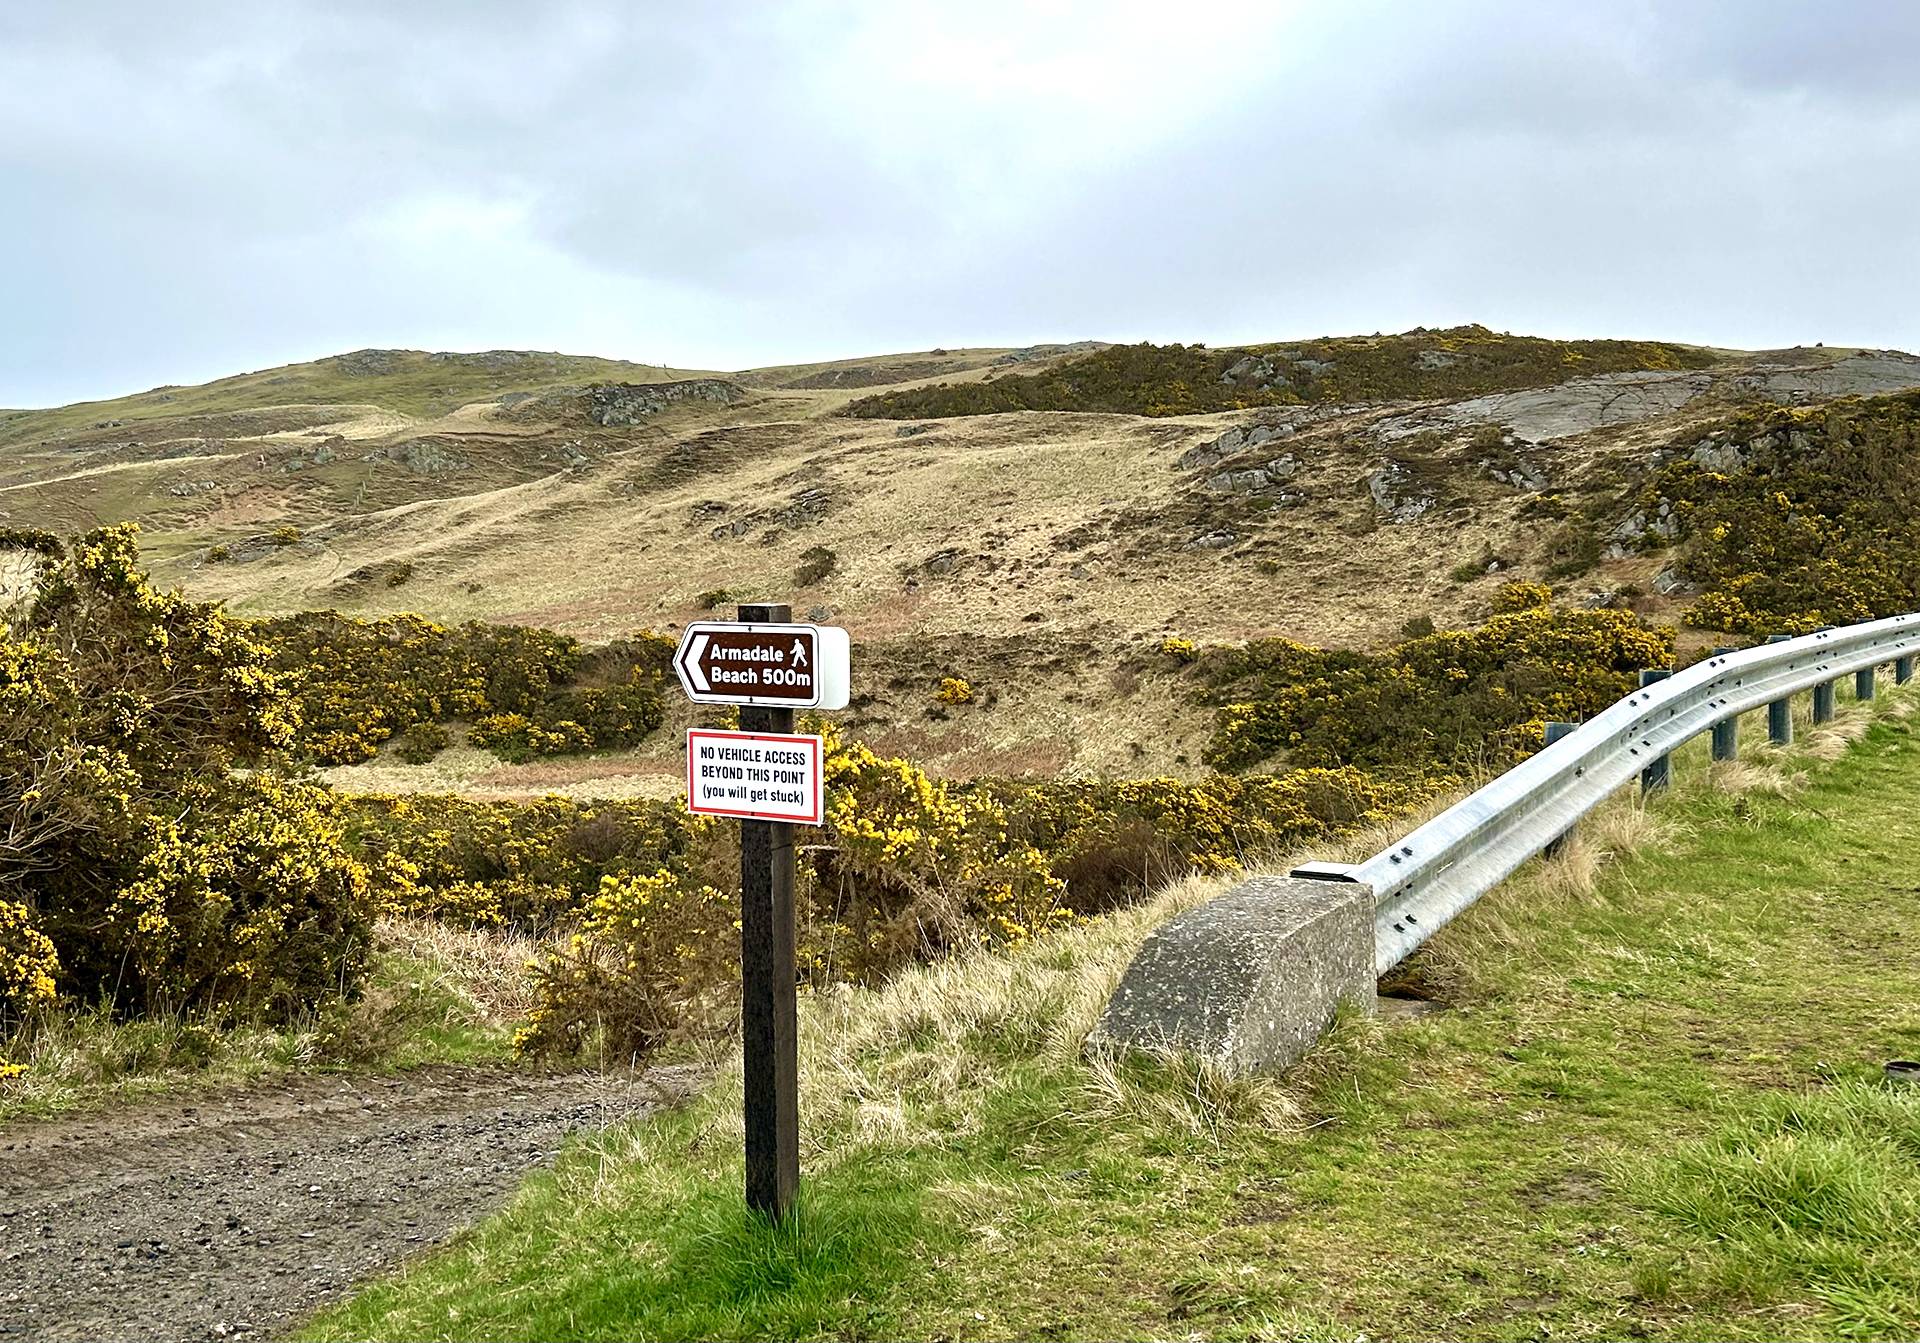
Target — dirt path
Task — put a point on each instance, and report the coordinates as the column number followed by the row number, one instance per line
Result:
column 219, row 1215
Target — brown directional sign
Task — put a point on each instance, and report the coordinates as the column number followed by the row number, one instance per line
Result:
column 778, row 666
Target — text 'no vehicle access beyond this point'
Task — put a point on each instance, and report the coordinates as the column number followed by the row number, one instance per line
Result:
column 755, row 776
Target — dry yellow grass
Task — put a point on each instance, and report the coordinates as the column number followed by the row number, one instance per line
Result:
column 485, row 969
column 1040, row 556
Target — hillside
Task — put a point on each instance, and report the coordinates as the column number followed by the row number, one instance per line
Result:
column 1043, row 557
column 1190, row 379
column 1636, row 1093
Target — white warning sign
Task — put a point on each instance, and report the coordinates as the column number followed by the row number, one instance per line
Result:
column 756, row 776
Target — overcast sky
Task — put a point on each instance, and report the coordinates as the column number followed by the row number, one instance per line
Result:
column 192, row 190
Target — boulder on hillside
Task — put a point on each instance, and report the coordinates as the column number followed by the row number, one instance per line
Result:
column 1398, row 494
column 1203, row 456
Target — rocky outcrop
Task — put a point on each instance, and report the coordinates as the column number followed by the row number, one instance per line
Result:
column 1255, row 479
column 1283, row 370
column 1203, row 456
column 1640, row 528
column 803, row 509
column 1398, row 494
column 324, row 453
column 1509, row 463
column 619, row 405
column 426, row 456
column 367, row 363
column 1251, row 370
column 1031, row 353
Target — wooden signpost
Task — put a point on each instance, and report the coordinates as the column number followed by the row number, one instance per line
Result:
column 771, row 779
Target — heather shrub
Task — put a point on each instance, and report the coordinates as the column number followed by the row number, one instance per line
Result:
column 1109, row 841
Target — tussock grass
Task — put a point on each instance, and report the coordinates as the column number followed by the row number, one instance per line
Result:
column 483, row 971
column 1651, row 1107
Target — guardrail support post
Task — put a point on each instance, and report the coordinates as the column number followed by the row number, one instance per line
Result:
column 1555, row 731
column 1780, row 712
column 1863, row 683
column 1726, row 733
column 1823, row 693
column 1658, row 772
column 1902, row 670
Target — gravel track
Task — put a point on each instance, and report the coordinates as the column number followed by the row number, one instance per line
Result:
column 237, row 1213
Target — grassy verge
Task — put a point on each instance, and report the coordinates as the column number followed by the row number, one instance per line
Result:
column 1651, row 1106
column 433, row 995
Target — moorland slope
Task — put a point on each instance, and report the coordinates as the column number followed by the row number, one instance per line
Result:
column 1337, row 492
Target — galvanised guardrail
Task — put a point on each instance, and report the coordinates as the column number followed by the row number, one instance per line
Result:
column 1426, row 879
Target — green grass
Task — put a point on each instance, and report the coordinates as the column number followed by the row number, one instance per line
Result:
column 1652, row 1108
column 407, row 381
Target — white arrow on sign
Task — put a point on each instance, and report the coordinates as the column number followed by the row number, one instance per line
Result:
column 690, row 661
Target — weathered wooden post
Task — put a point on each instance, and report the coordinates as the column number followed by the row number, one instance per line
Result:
column 1726, row 732
column 769, row 1032
column 1780, row 711
column 1658, row 772
column 771, row 780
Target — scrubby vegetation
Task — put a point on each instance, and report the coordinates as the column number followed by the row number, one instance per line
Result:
column 1451, row 700
column 155, row 858
column 1793, row 518
column 1189, row 379
column 194, row 871
column 526, row 865
column 527, row 691
column 644, row 900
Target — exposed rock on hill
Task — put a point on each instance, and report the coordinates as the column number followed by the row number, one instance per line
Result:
column 622, row 405
column 1400, row 495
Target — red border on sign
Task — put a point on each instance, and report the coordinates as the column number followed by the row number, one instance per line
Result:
column 819, row 815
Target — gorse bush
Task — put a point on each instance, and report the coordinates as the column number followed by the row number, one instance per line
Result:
column 1189, row 379
column 907, row 868
column 1794, row 518
column 530, row 691
column 530, row 865
column 1519, row 596
column 421, row 742
column 1448, row 700
column 953, row 690
column 913, row 867
column 139, row 867
column 655, row 960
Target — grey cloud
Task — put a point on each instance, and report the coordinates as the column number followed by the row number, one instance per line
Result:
column 191, row 190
